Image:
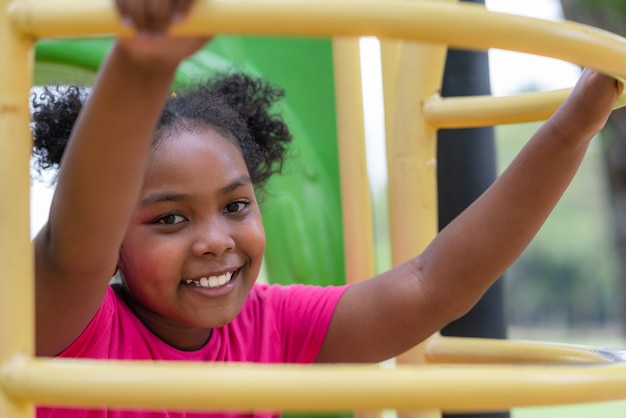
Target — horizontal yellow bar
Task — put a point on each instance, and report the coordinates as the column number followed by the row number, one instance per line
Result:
column 246, row 387
column 450, row 350
column 462, row 25
column 474, row 111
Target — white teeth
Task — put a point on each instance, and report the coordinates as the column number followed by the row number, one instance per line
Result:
column 211, row 282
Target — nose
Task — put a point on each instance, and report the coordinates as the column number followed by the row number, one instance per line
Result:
column 213, row 237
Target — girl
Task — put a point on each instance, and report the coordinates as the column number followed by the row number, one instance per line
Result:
column 162, row 189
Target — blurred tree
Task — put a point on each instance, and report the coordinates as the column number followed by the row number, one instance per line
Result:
column 610, row 15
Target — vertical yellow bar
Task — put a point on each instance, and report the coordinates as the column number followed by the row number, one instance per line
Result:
column 412, row 165
column 356, row 204
column 16, row 262
column 355, row 191
column 412, row 74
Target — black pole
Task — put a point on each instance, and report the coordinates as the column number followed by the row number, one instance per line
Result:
column 466, row 167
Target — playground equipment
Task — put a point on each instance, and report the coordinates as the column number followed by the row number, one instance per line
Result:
column 455, row 374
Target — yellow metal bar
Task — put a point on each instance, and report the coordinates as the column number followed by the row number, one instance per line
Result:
column 411, row 150
column 463, row 25
column 356, row 203
column 246, row 387
column 411, row 159
column 457, row 350
column 474, row 111
column 16, row 267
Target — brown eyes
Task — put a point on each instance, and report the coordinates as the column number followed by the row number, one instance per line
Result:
column 175, row 219
column 235, row 207
column 171, row 219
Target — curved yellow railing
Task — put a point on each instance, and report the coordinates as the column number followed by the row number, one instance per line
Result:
column 459, row 374
column 451, row 387
column 461, row 25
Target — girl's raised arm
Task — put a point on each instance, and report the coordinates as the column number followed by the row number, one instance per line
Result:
column 102, row 170
column 385, row 316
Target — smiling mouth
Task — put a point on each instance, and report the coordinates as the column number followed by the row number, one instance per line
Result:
column 211, row 282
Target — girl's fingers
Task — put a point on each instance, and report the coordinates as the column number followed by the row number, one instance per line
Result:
column 152, row 16
column 181, row 10
column 125, row 15
column 131, row 12
column 158, row 15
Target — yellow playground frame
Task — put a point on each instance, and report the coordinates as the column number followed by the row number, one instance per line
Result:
column 453, row 374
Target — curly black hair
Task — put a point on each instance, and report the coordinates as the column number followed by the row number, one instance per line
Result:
column 237, row 105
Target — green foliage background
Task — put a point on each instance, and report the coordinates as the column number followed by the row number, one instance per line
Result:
column 568, row 276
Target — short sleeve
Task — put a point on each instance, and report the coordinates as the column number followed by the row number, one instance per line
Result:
column 305, row 315
column 94, row 341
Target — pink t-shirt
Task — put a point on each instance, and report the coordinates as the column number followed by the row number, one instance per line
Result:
column 277, row 324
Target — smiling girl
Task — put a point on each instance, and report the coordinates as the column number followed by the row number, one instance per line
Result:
column 163, row 190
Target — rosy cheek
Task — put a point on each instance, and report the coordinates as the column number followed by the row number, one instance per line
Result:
column 260, row 240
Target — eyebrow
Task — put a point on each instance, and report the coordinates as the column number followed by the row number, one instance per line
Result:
column 166, row 196
column 160, row 197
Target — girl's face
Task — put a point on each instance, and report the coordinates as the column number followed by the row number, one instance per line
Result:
column 194, row 247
